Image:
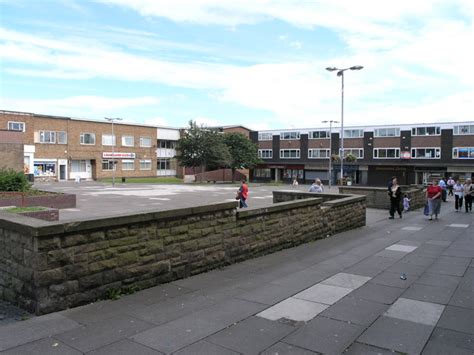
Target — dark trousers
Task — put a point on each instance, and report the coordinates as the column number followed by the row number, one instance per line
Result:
column 468, row 203
column 450, row 190
column 395, row 206
column 457, row 202
column 444, row 194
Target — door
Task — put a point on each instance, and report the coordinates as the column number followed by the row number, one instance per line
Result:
column 62, row 172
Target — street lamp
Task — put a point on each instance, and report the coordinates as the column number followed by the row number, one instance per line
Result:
column 330, row 149
column 112, row 120
column 340, row 72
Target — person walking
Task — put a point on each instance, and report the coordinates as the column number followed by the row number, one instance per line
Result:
column 458, row 189
column 295, row 182
column 395, row 194
column 243, row 193
column 444, row 192
column 468, row 195
column 450, row 183
column 317, row 186
column 406, row 203
column 433, row 196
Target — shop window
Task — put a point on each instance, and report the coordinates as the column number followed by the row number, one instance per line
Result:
column 145, row 164
column 128, row 164
column 78, row 166
column 263, row 173
column 44, row 168
column 108, row 165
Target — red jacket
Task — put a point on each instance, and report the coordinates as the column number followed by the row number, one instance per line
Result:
column 244, row 191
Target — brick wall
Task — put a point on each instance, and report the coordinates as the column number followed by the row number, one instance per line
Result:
column 51, row 199
column 46, row 266
column 11, row 150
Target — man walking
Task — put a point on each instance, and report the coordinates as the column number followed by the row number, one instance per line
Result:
column 451, row 183
column 444, row 192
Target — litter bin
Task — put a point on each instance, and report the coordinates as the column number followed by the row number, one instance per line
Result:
column 123, row 179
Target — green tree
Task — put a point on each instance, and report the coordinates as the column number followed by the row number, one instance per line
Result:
column 242, row 151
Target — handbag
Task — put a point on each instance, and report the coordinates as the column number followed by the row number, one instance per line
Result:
column 426, row 210
column 237, row 195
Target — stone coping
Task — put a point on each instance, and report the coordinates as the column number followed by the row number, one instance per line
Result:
column 279, row 207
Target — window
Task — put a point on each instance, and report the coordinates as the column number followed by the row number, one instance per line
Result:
column 353, row 133
column 16, row 126
column 262, row 173
column 108, row 164
column 145, row 164
column 164, row 164
column 318, row 134
column 293, row 173
column 128, row 141
column 44, row 168
column 78, row 166
column 318, row 153
column 465, row 129
column 426, row 153
column 88, row 138
column 463, row 153
column 145, row 142
column 108, row 139
column 387, row 132
column 289, row 135
column 128, row 164
column 358, row 153
column 167, row 144
column 426, row 131
column 387, row 153
column 62, row 137
column 47, row 137
column 290, row 153
column 265, row 153
column 265, row 136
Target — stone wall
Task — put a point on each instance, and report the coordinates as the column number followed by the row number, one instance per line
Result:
column 377, row 197
column 49, row 266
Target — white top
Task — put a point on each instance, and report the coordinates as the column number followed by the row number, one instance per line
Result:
column 458, row 190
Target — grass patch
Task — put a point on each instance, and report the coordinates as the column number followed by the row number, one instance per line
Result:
column 149, row 180
column 25, row 209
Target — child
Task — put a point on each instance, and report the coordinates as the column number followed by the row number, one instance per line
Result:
column 406, row 203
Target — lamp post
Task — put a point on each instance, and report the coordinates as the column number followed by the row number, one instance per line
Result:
column 112, row 120
column 340, row 72
column 330, row 150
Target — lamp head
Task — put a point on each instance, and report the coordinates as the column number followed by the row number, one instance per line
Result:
column 356, row 67
column 331, row 68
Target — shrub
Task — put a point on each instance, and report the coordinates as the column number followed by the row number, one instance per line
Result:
column 11, row 180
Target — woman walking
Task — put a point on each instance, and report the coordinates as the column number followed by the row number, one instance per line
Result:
column 433, row 196
column 243, row 194
column 395, row 193
column 468, row 195
column 458, row 189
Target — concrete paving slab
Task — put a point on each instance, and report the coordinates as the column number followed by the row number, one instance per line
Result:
column 378, row 293
column 286, row 349
column 454, row 260
column 443, row 243
column 438, row 280
column 458, row 225
column 393, row 279
column 463, row 297
column 412, row 228
column 124, row 347
column 15, row 334
column 346, row 280
column 447, row 268
column 355, row 310
column 394, row 254
column 426, row 293
column 325, row 335
column 445, row 341
column 398, row 335
column 325, row 294
column 251, row 336
column 407, row 268
column 294, row 309
column 415, row 311
column 363, row 349
column 401, row 247
column 458, row 319
column 371, row 266
column 205, row 348
column 96, row 335
column 418, row 260
column 44, row 346
column 301, row 280
column 463, row 253
column 267, row 294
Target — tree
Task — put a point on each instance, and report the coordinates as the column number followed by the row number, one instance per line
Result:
column 202, row 147
column 242, row 151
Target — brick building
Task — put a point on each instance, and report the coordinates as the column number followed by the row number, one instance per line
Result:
column 11, row 150
column 65, row 148
column 414, row 153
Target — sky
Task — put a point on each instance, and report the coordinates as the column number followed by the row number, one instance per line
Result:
column 257, row 63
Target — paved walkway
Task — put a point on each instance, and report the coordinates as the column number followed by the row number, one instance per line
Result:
column 344, row 293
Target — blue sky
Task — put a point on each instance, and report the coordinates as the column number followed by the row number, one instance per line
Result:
column 224, row 62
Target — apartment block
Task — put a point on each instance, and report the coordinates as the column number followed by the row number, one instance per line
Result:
column 414, row 153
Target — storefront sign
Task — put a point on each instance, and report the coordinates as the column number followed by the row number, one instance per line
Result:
column 405, row 155
column 118, row 155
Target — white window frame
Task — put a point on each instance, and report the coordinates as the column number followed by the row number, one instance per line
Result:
column 166, row 161
column 145, row 164
column 351, row 135
column 311, row 134
column 456, row 153
column 82, row 138
column 378, row 132
column 52, row 137
column 377, row 154
column 11, row 125
column 58, row 135
column 124, row 143
column 265, row 153
column 81, row 164
column 114, row 140
column 145, row 145
column 128, row 161
column 290, row 134
column 109, row 161
column 350, row 150
column 437, row 156
column 265, row 136
column 289, row 150
column 312, row 150
column 470, row 130
column 414, row 131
